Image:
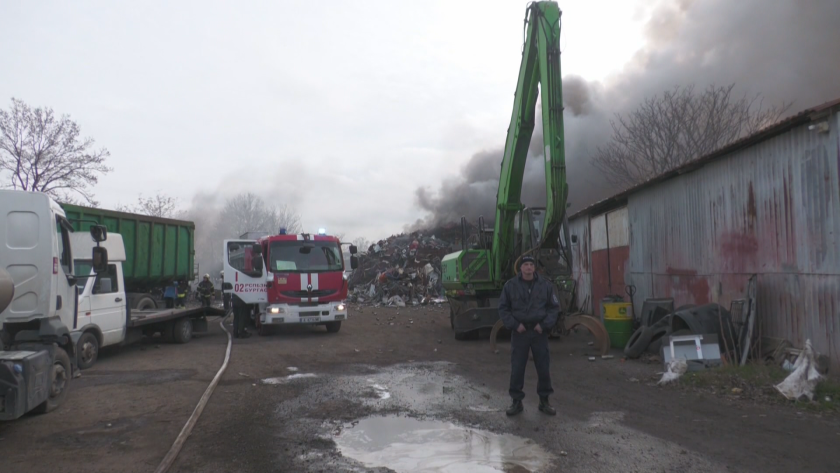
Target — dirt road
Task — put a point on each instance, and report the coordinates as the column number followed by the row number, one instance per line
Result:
column 394, row 389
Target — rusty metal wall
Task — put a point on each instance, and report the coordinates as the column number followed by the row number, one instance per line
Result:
column 772, row 209
column 581, row 263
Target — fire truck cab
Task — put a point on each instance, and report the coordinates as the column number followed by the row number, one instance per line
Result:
column 288, row 279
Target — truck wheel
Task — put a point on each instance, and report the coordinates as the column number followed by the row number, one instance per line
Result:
column 59, row 383
column 333, row 327
column 88, row 350
column 145, row 303
column 182, row 331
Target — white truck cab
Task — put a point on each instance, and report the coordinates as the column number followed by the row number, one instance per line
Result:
column 102, row 317
column 39, row 304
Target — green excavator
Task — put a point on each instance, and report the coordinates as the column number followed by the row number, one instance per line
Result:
column 473, row 277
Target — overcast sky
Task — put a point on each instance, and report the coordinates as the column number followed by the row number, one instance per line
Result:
column 338, row 108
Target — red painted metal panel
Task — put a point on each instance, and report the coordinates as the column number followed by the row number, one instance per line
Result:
column 600, row 280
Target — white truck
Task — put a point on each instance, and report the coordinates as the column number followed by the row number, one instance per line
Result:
column 45, row 318
column 105, row 317
column 37, row 303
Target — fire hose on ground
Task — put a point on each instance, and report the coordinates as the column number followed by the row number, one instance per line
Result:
column 170, row 457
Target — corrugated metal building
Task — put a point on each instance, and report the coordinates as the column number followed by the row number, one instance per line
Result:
column 768, row 204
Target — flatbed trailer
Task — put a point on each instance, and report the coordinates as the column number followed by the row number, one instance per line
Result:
column 176, row 325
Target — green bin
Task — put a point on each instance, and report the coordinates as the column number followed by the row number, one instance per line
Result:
column 619, row 330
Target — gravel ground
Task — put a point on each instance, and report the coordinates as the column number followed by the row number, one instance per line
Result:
column 393, row 388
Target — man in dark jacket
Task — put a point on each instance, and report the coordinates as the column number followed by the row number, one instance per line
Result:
column 529, row 309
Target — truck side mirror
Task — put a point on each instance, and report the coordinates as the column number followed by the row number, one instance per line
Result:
column 100, row 259
column 99, row 233
column 353, row 249
column 257, row 263
column 256, row 249
column 354, row 262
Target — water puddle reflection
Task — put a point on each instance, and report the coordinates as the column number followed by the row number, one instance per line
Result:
column 410, row 445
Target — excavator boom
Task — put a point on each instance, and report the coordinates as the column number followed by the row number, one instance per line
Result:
column 540, row 67
column 474, row 276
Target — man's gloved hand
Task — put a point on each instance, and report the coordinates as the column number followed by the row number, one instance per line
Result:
column 537, row 328
column 521, row 328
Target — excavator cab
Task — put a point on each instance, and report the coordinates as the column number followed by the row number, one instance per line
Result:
column 527, row 226
column 554, row 258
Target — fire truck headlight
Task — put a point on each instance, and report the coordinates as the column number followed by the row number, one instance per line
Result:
column 340, row 307
column 277, row 310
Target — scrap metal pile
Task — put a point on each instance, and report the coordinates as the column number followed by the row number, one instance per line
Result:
column 733, row 331
column 403, row 270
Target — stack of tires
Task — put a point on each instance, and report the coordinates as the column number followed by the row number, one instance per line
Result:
column 686, row 320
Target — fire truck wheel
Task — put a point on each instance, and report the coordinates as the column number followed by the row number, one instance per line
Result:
column 333, row 327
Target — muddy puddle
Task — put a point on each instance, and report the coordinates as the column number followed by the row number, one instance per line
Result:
column 409, row 445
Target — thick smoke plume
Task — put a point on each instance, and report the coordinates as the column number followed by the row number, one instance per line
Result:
column 786, row 51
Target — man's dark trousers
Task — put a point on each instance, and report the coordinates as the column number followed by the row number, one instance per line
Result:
column 240, row 313
column 521, row 344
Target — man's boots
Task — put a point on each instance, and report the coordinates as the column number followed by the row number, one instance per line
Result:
column 514, row 408
column 546, row 408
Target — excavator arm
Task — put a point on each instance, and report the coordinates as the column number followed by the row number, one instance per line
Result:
column 474, row 276
column 538, row 72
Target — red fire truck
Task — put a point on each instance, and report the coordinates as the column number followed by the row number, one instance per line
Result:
column 288, row 279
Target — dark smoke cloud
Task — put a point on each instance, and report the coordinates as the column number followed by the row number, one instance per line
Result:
column 785, row 50
column 473, row 193
column 576, row 95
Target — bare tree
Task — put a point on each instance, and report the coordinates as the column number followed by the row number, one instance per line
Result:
column 248, row 212
column 159, row 205
column 287, row 218
column 362, row 243
column 671, row 129
column 45, row 153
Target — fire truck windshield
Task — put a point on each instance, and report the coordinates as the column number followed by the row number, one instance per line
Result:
column 305, row 256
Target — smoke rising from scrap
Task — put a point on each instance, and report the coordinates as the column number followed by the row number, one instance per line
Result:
column 784, row 50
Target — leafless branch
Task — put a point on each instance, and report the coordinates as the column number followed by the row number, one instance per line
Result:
column 671, row 129
column 45, row 153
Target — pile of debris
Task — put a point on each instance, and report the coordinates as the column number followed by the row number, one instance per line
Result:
column 701, row 334
column 404, row 269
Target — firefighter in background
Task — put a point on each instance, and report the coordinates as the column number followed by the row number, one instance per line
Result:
column 205, row 291
column 183, row 290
